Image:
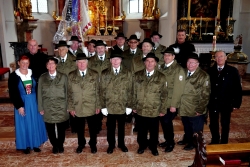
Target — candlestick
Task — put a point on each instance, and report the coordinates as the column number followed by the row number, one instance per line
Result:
column 113, row 32
column 113, row 12
column 106, row 19
column 214, row 43
column 228, row 21
column 215, row 22
column 189, row 22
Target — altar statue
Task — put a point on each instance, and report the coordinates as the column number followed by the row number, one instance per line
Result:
column 218, row 28
column 194, row 27
column 25, row 7
column 148, row 8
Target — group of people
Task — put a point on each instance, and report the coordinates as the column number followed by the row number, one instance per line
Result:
column 144, row 79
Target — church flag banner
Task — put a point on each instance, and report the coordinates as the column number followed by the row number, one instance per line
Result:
column 75, row 21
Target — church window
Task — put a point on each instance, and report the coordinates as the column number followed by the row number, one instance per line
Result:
column 135, row 6
column 39, row 6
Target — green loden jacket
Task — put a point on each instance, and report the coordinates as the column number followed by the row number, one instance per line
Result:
column 157, row 52
column 128, row 57
column 68, row 66
column 116, row 90
column 97, row 65
column 52, row 97
column 196, row 94
column 175, row 82
column 83, row 93
column 150, row 94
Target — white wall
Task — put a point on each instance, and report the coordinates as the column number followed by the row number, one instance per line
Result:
column 241, row 14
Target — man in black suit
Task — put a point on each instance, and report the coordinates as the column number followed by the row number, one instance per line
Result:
column 226, row 96
column 37, row 59
column 182, row 47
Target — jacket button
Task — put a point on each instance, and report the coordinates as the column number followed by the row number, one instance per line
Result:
column 215, row 98
column 216, row 84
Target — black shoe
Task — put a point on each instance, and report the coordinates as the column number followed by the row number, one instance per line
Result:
column 188, row 147
column 36, row 149
column 164, row 144
column 54, row 150
column 26, row 151
column 140, row 151
column 154, row 152
column 79, row 149
column 93, row 149
column 60, row 149
column 182, row 142
column 169, row 147
column 110, row 150
column 124, row 148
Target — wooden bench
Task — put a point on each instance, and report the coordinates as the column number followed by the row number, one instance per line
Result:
column 208, row 155
column 4, row 71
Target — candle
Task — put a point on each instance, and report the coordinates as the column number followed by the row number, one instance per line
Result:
column 201, row 22
column 214, row 43
column 228, row 21
column 113, row 12
column 215, row 22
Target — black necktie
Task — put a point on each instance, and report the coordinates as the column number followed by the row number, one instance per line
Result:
column 133, row 52
column 82, row 74
column 116, row 72
column 189, row 74
column 52, row 77
column 148, row 75
column 62, row 60
column 90, row 54
column 101, row 58
column 219, row 69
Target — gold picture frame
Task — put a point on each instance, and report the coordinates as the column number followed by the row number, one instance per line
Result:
column 218, row 10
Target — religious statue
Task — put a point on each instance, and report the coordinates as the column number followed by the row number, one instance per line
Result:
column 194, row 27
column 123, row 15
column 25, row 7
column 230, row 30
column 148, row 8
column 218, row 29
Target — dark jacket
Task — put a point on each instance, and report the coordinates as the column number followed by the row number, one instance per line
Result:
column 14, row 92
column 37, row 64
column 226, row 90
column 77, row 51
column 97, row 65
column 185, row 48
column 157, row 52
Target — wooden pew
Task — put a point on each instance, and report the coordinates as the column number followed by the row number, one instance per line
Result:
column 208, row 155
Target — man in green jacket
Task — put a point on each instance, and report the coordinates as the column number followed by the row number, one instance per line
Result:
column 194, row 99
column 65, row 65
column 52, row 104
column 74, row 47
column 137, row 63
column 149, row 102
column 116, row 98
column 158, row 48
column 83, row 101
column 175, row 82
column 132, row 52
column 99, row 63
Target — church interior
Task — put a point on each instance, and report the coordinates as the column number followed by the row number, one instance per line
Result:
column 222, row 27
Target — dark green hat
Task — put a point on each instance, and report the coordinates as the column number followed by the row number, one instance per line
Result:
column 116, row 53
column 148, row 40
column 62, row 43
column 155, row 33
column 193, row 55
column 169, row 50
column 133, row 37
column 151, row 55
column 81, row 56
column 120, row 34
column 100, row 43
column 75, row 38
